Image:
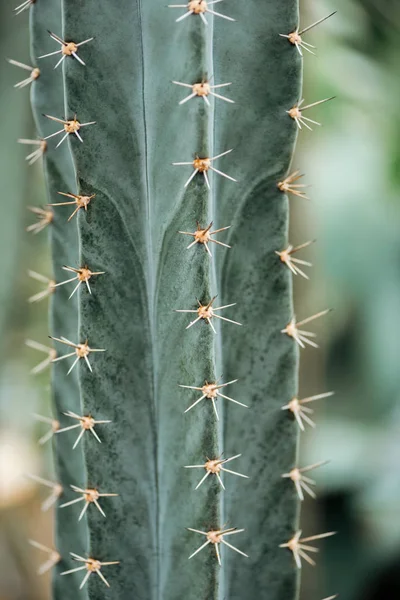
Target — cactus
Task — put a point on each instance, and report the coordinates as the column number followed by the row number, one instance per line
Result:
column 172, row 224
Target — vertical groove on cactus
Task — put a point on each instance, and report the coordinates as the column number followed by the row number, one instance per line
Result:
column 130, row 231
column 126, row 161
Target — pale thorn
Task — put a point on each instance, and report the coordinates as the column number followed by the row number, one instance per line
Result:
column 221, row 97
column 217, row 537
column 55, row 426
column 290, row 262
column 296, row 113
column 54, row 557
column 50, row 287
column 214, row 467
column 199, row 7
column 89, row 496
column 27, row 80
column 38, row 277
column 82, row 276
column 92, row 565
column 203, row 89
column 63, row 57
column 317, row 22
column 332, row 597
column 81, row 351
column 86, row 423
column 299, row 411
column 45, row 217
column 70, row 127
column 34, row 73
column 206, row 180
column 51, row 352
column 295, row 36
column 203, row 236
column 299, row 549
column 203, row 165
column 300, row 336
column 211, row 392
column 217, row 14
column 207, row 312
column 56, row 488
column 79, row 201
column 288, row 185
column 187, row 98
column 301, row 482
column 67, row 49
column 24, row 6
column 36, row 154
column 185, row 15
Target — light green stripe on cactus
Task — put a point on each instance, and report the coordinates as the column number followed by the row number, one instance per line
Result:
column 130, row 231
column 48, row 97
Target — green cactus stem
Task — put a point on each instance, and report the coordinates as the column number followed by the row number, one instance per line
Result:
column 170, row 140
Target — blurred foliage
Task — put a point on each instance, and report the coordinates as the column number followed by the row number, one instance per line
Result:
column 20, row 516
column 353, row 164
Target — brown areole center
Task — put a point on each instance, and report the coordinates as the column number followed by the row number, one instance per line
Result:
column 214, row 537
column 201, row 89
column 72, row 126
column 294, row 38
column 82, row 350
column 205, row 312
column 295, row 112
column 197, row 6
column 201, row 164
column 84, row 274
column 93, row 565
column 69, row 48
column 87, row 422
column 210, row 390
column 213, row 466
column 91, row 495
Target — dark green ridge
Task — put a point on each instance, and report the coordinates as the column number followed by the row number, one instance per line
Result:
column 266, row 72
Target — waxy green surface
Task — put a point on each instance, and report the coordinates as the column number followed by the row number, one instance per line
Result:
column 130, row 231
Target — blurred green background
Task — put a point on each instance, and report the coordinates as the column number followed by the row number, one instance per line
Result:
column 353, row 164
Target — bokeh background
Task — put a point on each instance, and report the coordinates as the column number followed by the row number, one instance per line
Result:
column 353, row 165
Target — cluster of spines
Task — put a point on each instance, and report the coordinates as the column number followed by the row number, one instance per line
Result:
column 202, row 235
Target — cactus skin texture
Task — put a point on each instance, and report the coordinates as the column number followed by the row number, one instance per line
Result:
column 130, row 232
